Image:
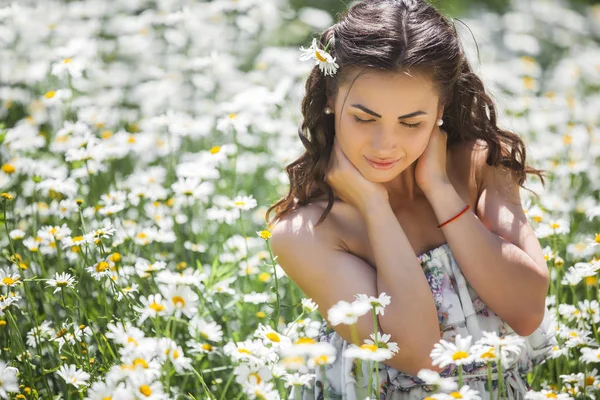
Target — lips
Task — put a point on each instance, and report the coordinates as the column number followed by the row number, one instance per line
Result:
column 382, row 165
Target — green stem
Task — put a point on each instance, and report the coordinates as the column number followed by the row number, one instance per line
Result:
column 277, row 306
column 490, row 385
column 324, row 381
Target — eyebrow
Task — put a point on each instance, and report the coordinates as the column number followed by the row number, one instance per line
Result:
column 373, row 113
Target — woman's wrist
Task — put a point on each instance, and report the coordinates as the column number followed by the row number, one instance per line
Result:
column 373, row 206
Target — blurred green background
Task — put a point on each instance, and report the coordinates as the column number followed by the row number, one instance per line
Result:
column 454, row 8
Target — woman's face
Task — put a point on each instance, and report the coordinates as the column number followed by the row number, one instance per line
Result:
column 385, row 117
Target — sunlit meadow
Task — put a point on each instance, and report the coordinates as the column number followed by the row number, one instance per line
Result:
column 142, row 142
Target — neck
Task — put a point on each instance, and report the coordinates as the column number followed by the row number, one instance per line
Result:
column 403, row 189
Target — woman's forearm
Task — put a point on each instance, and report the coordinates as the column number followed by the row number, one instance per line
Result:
column 411, row 317
column 507, row 279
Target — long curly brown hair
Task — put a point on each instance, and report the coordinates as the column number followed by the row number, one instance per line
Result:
column 395, row 35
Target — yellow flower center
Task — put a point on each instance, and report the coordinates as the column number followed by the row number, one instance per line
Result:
column 215, row 149
column 145, row 390
column 256, row 377
column 264, row 277
column 305, row 340
column 244, row 350
column 157, row 307
column 8, row 281
column 321, row 360
column 589, row 380
column 132, row 340
column 591, row 280
column 273, row 337
column 8, row 168
column 320, row 57
column 178, row 301
column 459, row 355
column 456, row 395
column 102, row 266
column 551, row 395
column 489, row 354
column 265, row 234
column 207, row 347
column 370, row 347
column 141, row 362
column 50, row 94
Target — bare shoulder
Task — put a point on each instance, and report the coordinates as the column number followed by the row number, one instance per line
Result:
column 301, row 224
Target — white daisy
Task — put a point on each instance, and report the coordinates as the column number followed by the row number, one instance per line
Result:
column 175, row 354
column 590, row 355
column 262, row 391
column 101, row 269
column 433, row 378
column 9, row 279
column 378, row 302
column 383, row 341
column 271, row 337
column 205, row 330
column 16, row 234
column 257, row 298
column 73, row 375
column 254, row 374
column 298, row 379
column 590, row 310
column 244, row 202
column 545, row 395
column 60, row 281
column 510, row 347
column 368, row 352
column 326, row 63
column 180, row 300
column 41, row 334
column 347, row 313
column 8, row 380
column 308, row 305
column 466, row 393
column 153, row 306
column 457, row 353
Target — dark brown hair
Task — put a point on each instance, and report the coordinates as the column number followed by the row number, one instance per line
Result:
column 394, row 36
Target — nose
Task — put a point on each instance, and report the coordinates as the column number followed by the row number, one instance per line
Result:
column 384, row 143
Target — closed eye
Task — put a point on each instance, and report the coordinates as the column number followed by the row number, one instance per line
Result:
column 362, row 121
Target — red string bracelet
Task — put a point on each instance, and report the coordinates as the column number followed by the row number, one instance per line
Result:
column 456, row 216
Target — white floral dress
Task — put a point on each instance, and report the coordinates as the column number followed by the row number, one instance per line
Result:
column 460, row 311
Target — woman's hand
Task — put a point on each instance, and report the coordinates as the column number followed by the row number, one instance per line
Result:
column 350, row 184
column 430, row 170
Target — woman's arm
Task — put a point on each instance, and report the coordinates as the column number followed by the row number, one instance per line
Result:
column 411, row 317
column 498, row 252
column 327, row 273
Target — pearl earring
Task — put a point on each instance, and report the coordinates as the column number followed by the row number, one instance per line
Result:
column 440, row 122
column 328, row 110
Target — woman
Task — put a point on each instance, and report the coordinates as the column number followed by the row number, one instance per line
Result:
column 409, row 187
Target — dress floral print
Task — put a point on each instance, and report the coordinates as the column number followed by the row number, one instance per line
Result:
column 460, row 311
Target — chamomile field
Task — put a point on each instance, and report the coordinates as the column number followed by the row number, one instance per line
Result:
column 140, row 147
